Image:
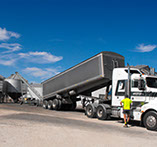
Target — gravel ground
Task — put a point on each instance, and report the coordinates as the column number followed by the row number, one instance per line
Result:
column 25, row 126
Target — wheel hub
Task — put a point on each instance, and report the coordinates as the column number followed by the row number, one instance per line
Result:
column 89, row 111
column 151, row 121
column 100, row 112
column 54, row 105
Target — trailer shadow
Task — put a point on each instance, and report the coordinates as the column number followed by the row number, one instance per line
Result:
column 76, row 110
column 80, row 111
column 34, row 119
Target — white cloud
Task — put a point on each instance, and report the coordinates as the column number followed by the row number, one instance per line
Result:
column 7, row 62
column 40, row 57
column 145, row 48
column 34, row 71
column 54, row 71
column 6, row 35
column 8, row 59
column 11, row 46
column 41, row 73
column 35, row 57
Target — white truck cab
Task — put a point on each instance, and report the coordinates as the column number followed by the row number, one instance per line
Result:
column 143, row 93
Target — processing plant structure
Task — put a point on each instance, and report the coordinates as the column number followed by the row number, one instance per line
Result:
column 15, row 87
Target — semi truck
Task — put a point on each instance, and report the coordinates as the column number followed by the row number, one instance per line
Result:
column 106, row 69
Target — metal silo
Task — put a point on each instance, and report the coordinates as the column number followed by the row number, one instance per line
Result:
column 13, row 88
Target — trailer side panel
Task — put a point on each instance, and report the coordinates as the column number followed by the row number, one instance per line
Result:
column 89, row 74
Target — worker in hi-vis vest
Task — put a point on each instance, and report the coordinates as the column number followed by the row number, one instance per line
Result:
column 126, row 103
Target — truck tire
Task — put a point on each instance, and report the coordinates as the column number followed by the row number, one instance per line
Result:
column 49, row 105
column 55, row 104
column 59, row 104
column 90, row 111
column 150, row 120
column 101, row 112
column 45, row 104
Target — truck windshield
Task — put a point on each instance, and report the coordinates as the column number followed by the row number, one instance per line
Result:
column 151, row 82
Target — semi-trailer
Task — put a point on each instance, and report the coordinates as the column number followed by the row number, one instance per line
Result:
column 62, row 90
column 106, row 69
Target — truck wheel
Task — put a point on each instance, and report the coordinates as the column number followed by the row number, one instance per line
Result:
column 45, row 104
column 150, row 120
column 55, row 104
column 59, row 104
column 90, row 111
column 101, row 112
column 49, row 105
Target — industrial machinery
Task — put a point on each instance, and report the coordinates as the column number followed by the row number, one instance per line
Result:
column 37, row 99
column 16, row 86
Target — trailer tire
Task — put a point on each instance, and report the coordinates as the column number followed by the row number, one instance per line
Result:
column 90, row 111
column 101, row 112
column 49, row 106
column 45, row 104
column 150, row 120
column 59, row 104
column 55, row 104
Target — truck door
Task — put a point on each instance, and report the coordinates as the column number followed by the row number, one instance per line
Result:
column 120, row 90
column 136, row 94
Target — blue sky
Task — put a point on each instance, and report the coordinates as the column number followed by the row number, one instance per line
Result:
column 40, row 38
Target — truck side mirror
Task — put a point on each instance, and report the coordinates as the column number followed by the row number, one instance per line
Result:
column 141, row 84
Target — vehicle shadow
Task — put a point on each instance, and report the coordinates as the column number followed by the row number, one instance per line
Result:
column 133, row 123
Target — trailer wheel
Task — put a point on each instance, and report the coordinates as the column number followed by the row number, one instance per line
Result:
column 49, row 105
column 101, row 112
column 45, row 104
column 59, row 104
column 150, row 120
column 90, row 111
column 55, row 104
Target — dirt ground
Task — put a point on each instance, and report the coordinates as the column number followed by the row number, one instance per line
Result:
column 30, row 126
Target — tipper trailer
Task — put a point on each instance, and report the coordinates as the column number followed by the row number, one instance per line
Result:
column 87, row 76
column 105, row 69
